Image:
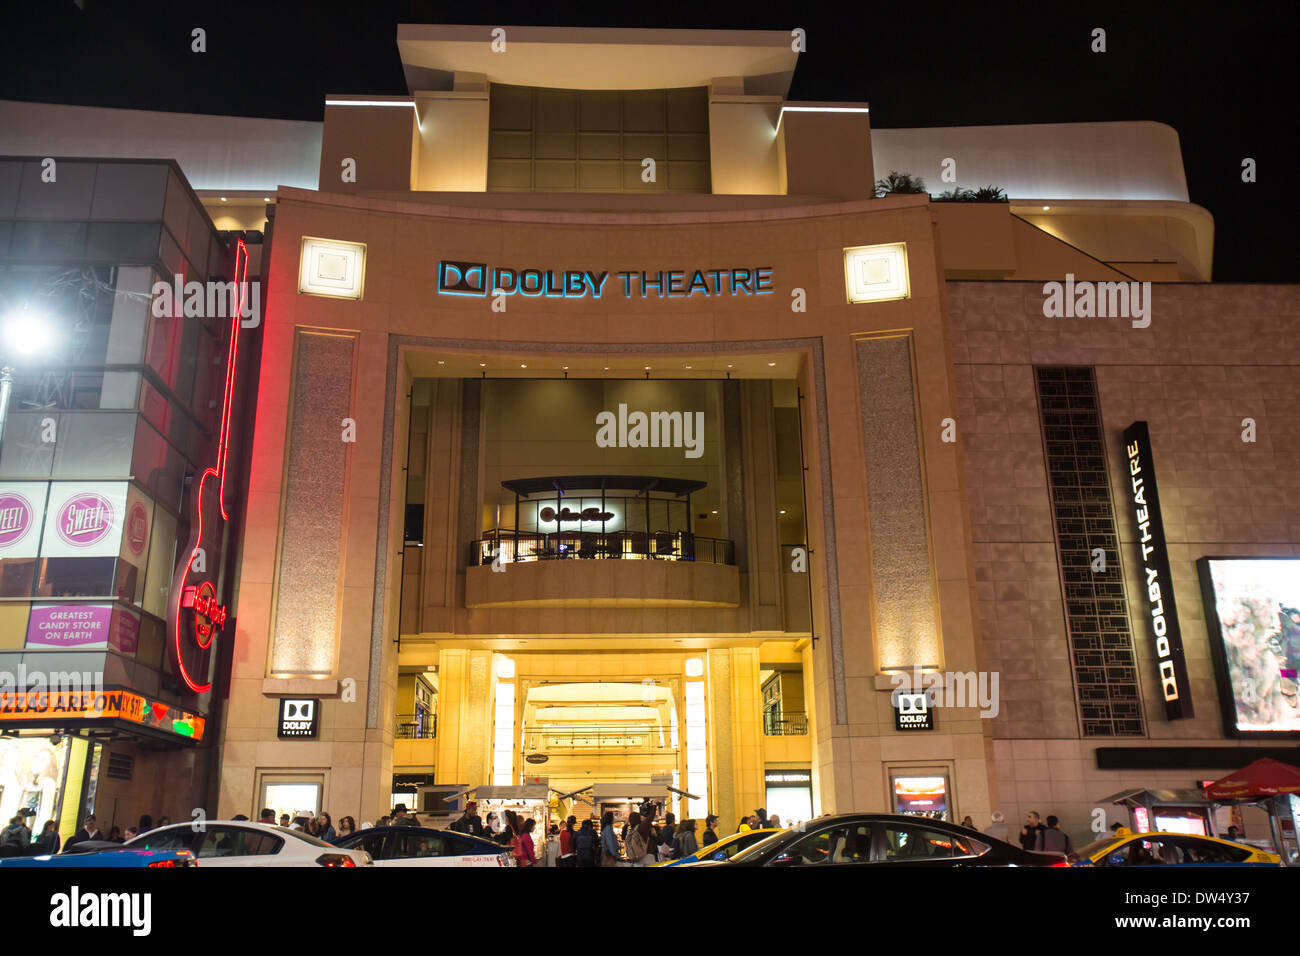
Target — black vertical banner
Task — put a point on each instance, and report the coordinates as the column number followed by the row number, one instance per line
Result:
column 1154, row 579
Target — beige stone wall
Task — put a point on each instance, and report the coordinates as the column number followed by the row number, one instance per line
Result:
column 1213, row 355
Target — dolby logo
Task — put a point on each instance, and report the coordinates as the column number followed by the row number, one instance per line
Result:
column 913, row 712
column 299, row 717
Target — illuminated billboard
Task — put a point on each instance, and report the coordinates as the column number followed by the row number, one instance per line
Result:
column 1252, row 610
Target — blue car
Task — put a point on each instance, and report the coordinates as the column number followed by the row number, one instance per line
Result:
column 117, row 857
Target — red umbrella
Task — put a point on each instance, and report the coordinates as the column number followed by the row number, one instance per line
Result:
column 1263, row 778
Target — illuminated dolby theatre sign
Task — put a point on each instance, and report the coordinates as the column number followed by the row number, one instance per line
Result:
column 1155, row 580
column 480, row 279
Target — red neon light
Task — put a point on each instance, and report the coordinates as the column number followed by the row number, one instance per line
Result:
column 186, row 595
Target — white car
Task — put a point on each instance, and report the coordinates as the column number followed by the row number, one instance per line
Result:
column 423, row 846
column 244, row 843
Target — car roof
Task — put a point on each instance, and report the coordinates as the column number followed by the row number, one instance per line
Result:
column 455, row 834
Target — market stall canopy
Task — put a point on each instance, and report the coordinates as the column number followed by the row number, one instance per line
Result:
column 1263, row 778
column 627, row 791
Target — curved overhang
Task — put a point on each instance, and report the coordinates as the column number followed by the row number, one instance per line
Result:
column 590, row 58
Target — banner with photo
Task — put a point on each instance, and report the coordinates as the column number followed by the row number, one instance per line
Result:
column 1253, row 614
column 84, row 519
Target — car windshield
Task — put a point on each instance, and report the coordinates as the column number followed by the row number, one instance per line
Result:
column 1095, row 847
column 759, row 847
column 308, row 838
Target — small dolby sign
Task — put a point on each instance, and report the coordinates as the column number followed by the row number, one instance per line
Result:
column 913, row 712
column 299, row 717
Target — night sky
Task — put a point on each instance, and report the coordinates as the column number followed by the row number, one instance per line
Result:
column 1225, row 77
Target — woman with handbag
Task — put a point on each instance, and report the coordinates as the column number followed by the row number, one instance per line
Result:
column 525, row 854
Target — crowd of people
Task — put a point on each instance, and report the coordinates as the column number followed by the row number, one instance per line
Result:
column 642, row 840
column 18, row 835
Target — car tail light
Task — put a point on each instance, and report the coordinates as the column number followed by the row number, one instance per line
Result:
column 335, row 859
column 1061, row 863
column 180, row 862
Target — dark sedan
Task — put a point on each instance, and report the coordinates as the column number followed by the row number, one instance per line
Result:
column 885, row 840
column 420, row 846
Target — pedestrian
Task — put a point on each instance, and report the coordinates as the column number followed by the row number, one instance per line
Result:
column 115, row 835
column 493, row 825
column 761, row 821
column 774, row 822
column 146, row 823
column 669, row 832
column 130, row 834
column 381, row 822
column 686, row 841
column 998, row 829
column 240, row 816
column 324, row 827
column 48, row 842
column 586, row 845
column 88, row 831
column 1233, row 835
column 347, row 827
column 163, row 821
column 267, row 817
column 1052, row 839
column 568, row 857
column 285, row 820
column 967, row 822
column 401, row 818
column 1029, row 832
column 609, row 852
column 744, row 825
column 469, row 822
column 526, row 856
column 710, row 831
column 551, row 855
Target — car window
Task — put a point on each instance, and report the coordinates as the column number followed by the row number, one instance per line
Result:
column 453, row 846
column 1203, row 851
column 172, row 838
column 1136, row 852
column 372, row 843
column 418, row 845
column 236, row 841
column 918, row 843
column 842, row 844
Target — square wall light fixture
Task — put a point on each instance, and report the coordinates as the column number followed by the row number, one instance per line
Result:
column 333, row 268
column 876, row 273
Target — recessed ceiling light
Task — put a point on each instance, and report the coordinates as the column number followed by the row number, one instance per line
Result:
column 482, row 364
column 441, row 362
column 565, row 367
column 731, row 366
column 782, row 511
column 606, row 368
column 223, row 198
column 647, row 368
column 715, row 510
column 1045, row 208
column 266, row 199
column 771, row 364
column 688, row 366
column 522, row 365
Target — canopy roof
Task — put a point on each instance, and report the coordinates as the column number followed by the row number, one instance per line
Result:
column 1262, row 778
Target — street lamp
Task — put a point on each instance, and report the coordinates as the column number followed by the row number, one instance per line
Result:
column 26, row 332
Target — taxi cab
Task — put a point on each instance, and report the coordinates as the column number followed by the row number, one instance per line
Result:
column 724, row 849
column 1125, row 848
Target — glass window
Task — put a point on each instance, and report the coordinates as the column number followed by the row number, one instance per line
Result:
column 1203, row 851
column 236, row 841
column 916, row 843
column 372, row 843
column 171, row 838
column 843, row 844
column 418, row 845
column 76, row 577
column 23, row 452
column 94, row 445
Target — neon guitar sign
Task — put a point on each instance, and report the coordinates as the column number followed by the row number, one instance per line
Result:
column 195, row 616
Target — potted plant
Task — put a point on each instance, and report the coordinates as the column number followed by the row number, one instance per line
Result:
column 897, row 182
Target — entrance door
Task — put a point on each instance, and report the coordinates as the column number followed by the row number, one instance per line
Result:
column 292, row 794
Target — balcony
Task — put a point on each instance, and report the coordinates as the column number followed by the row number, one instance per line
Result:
column 787, row 724
column 516, row 547
column 413, row 727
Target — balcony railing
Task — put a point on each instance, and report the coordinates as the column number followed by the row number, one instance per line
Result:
column 787, row 725
column 626, row 545
column 417, row 727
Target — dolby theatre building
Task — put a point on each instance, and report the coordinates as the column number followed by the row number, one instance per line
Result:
column 611, row 436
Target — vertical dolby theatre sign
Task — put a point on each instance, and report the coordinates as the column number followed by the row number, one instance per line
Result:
column 1144, row 499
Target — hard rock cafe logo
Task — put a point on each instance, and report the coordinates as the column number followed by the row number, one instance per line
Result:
column 15, row 518
column 84, row 520
column 209, row 616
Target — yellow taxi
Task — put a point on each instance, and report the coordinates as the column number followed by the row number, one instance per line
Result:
column 1125, row 848
column 724, row 849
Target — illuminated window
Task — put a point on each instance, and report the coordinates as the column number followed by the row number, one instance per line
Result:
column 503, row 724
column 696, row 749
column 876, row 273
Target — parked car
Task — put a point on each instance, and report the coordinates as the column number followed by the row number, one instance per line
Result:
column 116, row 856
column 1170, row 849
column 724, row 849
column 243, row 843
column 884, row 840
column 425, row 846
